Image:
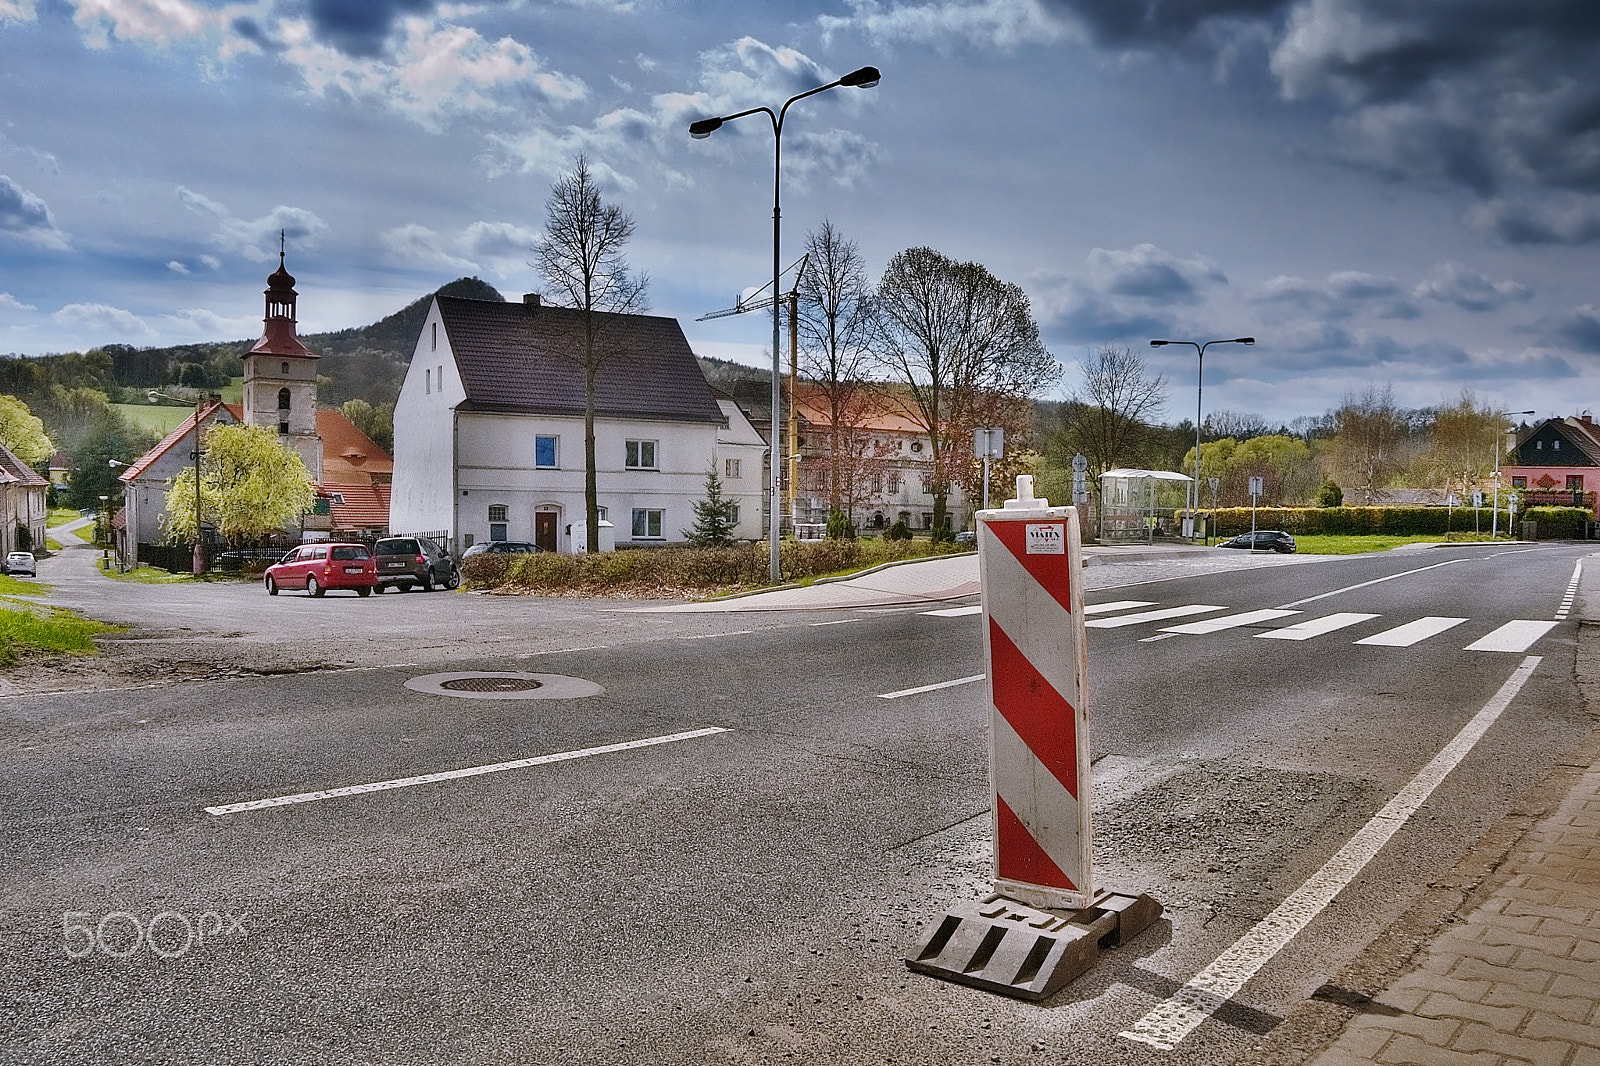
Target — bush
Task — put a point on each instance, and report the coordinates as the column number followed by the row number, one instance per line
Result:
column 1361, row 521
column 1330, row 495
column 898, row 531
column 840, row 527
column 1559, row 523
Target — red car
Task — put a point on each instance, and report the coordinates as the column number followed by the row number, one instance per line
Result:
column 320, row 567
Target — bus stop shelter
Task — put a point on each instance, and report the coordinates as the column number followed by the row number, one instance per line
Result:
column 1136, row 506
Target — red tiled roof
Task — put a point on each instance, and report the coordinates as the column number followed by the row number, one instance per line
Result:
column 365, row 506
column 212, row 412
column 348, row 455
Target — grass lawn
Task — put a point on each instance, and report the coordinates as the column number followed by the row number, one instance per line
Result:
column 1328, row 544
column 25, row 628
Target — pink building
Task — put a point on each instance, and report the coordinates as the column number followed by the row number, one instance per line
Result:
column 1557, row 463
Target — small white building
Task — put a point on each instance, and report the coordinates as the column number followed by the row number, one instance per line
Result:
column 489, row 428
column 741, row 467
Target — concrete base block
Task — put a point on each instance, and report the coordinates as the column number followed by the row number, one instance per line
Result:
column 1000, row 945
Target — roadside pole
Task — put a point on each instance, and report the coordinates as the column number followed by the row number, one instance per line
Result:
column 1044, row 923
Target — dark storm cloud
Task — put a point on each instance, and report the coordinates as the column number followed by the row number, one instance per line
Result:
column 1520, row 222
column 1486, row 94
column 360, row 27
column 1579, row 331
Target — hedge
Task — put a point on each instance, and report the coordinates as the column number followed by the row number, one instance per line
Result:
column 1554, row 522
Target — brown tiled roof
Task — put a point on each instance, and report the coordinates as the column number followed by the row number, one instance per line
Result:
column 14, row 471
column 365, row 506
column 212, row 411
column 511, row 358
column 348, row 455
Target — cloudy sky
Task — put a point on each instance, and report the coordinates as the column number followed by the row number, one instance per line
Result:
column 1397, row 193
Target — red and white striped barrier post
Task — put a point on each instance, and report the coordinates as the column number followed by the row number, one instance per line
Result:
column 1044, row 923
column 1030, row 559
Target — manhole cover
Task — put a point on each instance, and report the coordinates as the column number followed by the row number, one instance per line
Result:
column 504, row 685
column 491, row 684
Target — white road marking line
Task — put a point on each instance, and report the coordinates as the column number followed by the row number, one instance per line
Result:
column 836, row 622
column 1230, row 621
column 1412, row 632
column 1116, row 605
column 931, row 688
column 1174, row 1019
column 1517, row 635
column 1572, row 592
column 954, row 612
column 1151, row 616
column 451, row 775
column 1315, row 627
column 1374, row 581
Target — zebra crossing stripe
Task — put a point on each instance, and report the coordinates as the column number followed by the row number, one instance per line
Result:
column 1116, row 605
column 1412, row 632
column 1316, row 627
column 1152, row 616
column 1515, row 636
column 1232, row 621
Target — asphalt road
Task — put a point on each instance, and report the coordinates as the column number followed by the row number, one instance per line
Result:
column 742, row 889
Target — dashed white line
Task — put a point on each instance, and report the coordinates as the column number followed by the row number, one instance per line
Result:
column 1172, row 1020
column 451, row 775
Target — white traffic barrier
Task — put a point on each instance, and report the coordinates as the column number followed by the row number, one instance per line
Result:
column 1030, row 559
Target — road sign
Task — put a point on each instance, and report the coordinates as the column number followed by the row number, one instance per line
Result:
column 1030, row 558
column 989, row 443
column 1079, row 463
column 1257, row 486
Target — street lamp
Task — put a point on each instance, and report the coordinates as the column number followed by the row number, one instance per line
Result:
column 1494, row 523
column 864, row 78
column 199, row 561
column 1199, row 379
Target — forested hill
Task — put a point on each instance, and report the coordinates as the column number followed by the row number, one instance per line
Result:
column 367, row 362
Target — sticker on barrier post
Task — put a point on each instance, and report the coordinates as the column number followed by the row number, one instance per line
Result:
column 1030, row 558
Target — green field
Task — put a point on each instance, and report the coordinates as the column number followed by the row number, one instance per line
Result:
column 163, row 418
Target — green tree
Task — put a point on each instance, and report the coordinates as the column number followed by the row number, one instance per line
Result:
column 250, row 486
column 581, row 257
column 1330, row 495
column 93, row 450
column 714, row 520
column 377, row 422
column 23, row 433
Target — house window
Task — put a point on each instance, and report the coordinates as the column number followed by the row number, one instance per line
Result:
column 646, row 523
column 285, row 369
column 435, row 346
column 927, row 520
column 497, row 521
column 283, row 399
column 927, row 486
column 730, row 468
column 1519, row 482
column 877, row 484
column 641, row 455
column 1574, row 482
column 427, row 382
column 1555, row 445
column 733, row 513
column 894, row 481
column 544, row 452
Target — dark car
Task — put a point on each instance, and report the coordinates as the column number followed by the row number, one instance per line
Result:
column 501, row 547
column 409, row 562
column 1262, row 540
column 320, row 567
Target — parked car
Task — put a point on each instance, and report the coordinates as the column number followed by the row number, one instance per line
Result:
column 967, row 536
column 320, row 567
column 407, row 562
column 1262, row 540
column 502, row 547
column 20, row 563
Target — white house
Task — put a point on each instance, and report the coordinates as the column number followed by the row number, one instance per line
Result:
column 740, row 464
column 22, row 504
column 488, row 427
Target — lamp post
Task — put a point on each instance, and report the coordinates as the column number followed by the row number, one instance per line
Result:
column 122, row 562
column 199, row 562
column 1494, row 523
column 1199, row 380
column 864, row 78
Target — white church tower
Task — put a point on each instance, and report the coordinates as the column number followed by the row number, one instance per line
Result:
column 280, row 375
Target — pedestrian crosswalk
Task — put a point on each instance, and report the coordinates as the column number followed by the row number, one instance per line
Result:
column 1516, row 636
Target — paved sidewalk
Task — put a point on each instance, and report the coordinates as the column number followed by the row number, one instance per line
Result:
column 1513, row 975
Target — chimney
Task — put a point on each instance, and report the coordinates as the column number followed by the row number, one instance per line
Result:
column 530, row 300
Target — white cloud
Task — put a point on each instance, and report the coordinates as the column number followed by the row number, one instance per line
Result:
column 9, row 302
column 157, row 22
column 102, row 319
column 1006, row 24
column 437, row 71
column 16, row 10
column 176, row 267
column 1343, row 295
column 255, row 239
column 1453, row 283
column 421, row 245
column 199, row 322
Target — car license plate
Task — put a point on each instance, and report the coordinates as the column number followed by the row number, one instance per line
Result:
column 352, row 569
column 397, row 565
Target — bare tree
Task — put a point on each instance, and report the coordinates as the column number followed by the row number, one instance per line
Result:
column 1109, row 416
column 955, row 335
column 835, row 327
column 580, row 256
column 1371, row 442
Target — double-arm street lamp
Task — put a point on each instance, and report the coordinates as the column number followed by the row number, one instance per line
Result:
column 865, row 78
column 1199, row 381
